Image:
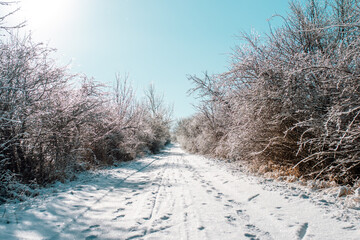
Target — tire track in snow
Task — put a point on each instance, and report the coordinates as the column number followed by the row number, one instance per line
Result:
column 153, row 203
column 174, row 209
column 302, row 231
column 74, row 219
column 178, row 195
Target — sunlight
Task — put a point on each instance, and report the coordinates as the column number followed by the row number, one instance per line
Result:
column 44, row 13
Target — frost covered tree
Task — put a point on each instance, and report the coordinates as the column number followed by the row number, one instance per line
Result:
column 290, row 99
column 158, row 119
column 7, row 10
column 50, row 129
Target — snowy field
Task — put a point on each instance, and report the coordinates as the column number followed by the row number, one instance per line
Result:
column 175, row 195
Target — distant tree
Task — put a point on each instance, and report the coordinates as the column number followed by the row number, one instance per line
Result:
column 158, row 119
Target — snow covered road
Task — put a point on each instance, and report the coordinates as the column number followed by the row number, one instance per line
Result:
column 175, row 195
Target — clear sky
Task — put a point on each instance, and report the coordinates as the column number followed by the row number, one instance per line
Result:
column 154, row 41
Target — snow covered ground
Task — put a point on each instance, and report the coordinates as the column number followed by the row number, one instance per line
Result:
column 175, row 195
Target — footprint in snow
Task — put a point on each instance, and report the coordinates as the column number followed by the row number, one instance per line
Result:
column 235, row 202
column 219, row 196
column 164, row 217
column 242, row 215
column 117, row 217
column 90, row 228
column 251, row 236
column 119, row 209
column 352, row 227
column 91, row 237
column 230, row 219
column 129, row 203
column 239, row 212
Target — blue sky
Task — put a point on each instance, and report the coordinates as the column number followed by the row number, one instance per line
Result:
column 154, row 41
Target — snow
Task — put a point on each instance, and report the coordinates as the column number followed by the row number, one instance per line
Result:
column 357, row 192
column 175, row 195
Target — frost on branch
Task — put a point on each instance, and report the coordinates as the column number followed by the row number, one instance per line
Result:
column 289, row 99
column 50, row 129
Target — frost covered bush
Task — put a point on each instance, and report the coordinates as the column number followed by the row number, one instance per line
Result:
column 157, row 120
column 54, row 124
column 28, row 79
column 290, row 98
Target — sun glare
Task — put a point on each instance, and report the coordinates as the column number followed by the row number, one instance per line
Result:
column 44, row 13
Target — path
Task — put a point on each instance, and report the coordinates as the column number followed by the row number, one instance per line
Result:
column 175, row 195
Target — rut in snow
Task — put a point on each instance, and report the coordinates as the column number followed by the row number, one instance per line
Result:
column 175, row 195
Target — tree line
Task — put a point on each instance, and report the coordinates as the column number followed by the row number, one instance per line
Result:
column 54, row 124
column 290, row 99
